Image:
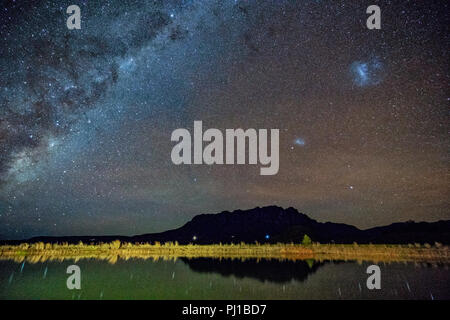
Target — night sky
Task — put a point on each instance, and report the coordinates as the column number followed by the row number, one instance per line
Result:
column 86, row 115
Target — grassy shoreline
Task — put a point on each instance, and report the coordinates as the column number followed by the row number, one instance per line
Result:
column 112, row 252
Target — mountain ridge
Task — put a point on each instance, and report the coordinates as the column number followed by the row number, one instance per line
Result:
column 271, row 224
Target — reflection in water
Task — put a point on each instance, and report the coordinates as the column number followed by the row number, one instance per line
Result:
column 263, row 270
column 207, row 278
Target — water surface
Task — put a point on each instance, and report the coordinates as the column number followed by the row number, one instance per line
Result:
column 205, row 278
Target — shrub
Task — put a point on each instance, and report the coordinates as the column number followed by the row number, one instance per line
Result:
column 306, row 240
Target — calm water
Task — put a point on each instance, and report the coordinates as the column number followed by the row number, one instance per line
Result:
column 225, row 279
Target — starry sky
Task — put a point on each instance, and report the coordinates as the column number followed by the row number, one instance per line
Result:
column 86, row 115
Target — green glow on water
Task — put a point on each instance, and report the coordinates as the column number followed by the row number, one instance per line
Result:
column 212, row 279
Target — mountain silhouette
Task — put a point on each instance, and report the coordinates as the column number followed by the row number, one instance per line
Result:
column 274, row 224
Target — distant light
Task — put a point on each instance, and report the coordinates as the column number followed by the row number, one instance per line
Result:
column 172, row 15
column 267, row 236
column 194, row 238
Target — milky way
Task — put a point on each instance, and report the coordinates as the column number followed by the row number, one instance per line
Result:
column 86, row 115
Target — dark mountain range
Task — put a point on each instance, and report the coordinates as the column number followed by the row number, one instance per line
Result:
column 274, row 224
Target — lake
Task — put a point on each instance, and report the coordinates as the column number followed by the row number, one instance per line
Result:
column 206, row 278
